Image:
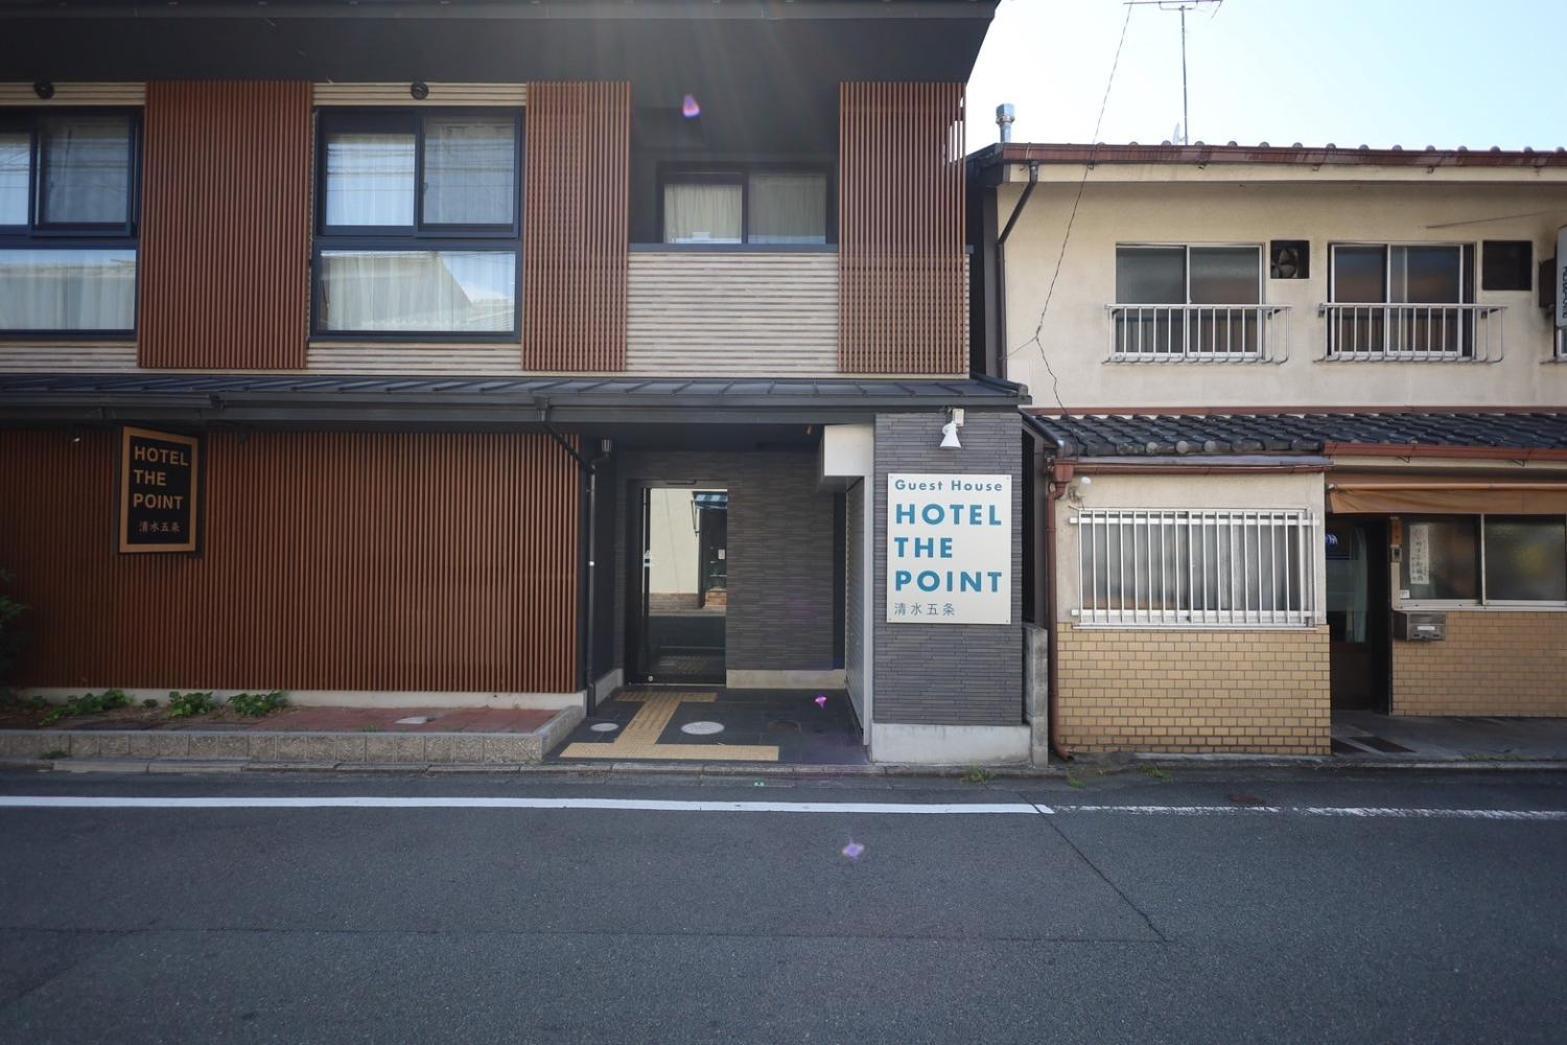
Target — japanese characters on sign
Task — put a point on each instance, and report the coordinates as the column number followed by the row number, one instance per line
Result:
column 949, row 549
column 158, row 491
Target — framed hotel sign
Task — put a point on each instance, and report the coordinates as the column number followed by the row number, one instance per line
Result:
column 159, row 496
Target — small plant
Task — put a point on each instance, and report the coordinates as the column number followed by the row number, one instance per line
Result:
column 1074, row 781
column 372, row 728
column 88, row 704
column 977, row 775
column 256, row 705
column 1157, row 773
column 54, row 754
column 150, row 703
column 187, row 705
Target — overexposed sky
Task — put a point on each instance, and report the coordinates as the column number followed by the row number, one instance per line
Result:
column 1374, row 72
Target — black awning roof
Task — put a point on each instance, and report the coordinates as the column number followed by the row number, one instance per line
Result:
column 351, row 399
column 1162, row 435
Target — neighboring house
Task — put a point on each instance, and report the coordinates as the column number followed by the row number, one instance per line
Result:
column 1302, row 432
column 442, row 294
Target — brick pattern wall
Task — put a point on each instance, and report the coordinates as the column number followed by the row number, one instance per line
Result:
column 1491, row 663
column 1194, row 691
column 948, row 674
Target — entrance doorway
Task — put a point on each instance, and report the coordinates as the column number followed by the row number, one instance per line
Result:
column 684, row 585
column 1358, row 613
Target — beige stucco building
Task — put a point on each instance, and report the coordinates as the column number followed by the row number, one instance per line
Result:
column 1302, row 434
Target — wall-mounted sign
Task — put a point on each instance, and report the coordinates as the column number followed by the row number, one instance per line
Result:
column 1561, row 278
column 159, row 473
column 949, row 549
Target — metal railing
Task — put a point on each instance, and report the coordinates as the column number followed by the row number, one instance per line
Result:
column 1198, row 334
column 1185, row 568
column 1408, row 333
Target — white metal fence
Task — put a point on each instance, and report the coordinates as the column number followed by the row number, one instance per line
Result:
column 1225, row 568
column 1414, row 333
column 1198, row 333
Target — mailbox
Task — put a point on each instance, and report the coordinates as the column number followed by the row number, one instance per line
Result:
column 1410, row 626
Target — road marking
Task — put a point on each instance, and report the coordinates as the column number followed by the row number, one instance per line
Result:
column 677, row 806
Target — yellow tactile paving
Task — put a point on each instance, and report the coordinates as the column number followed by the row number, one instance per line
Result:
column 640, row 737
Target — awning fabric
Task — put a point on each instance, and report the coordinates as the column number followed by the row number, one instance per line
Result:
column 1390, row 495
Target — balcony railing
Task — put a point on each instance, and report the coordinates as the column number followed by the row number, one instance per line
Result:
column 1198, row 333
column 1407, row 333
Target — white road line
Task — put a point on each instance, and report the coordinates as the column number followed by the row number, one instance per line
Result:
column 667, row 806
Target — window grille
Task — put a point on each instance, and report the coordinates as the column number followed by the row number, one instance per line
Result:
column 1196, row 568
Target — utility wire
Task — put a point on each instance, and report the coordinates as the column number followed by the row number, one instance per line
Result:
column 1055, row 383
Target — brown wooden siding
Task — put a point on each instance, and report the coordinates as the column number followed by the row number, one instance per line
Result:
column 575, row 232
column 225, row 234
column 366, row 561
column 900, row 229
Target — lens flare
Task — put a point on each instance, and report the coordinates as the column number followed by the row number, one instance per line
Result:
column 853, row 851
column 689, row 107
column 821, row 700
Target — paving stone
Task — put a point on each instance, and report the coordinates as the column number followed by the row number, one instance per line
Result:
column 263, row 747
column 349, row 749
column 319, row 748
column 518, row 749
column 403, row 748
column 292, row 749
column 217, row 745
column 171, row 745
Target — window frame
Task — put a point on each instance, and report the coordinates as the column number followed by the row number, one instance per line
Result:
column 1186, row 262
column 733, row 173
column 420, row 236
column 1468, row 270
column 1483, row 599
column 61, row 236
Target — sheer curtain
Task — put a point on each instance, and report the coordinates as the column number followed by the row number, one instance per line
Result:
column 788, row 207
column 695, row 212
column 14, row 166
column 67, row 290
column 468, row 163
column 370, row 178
column 86, row 169
column 414, row 290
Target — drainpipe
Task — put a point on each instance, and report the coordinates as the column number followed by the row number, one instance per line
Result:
column 1060, row 476
column 1001, row 268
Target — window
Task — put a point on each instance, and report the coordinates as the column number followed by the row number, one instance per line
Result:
column 419, row 220
column 1507, row 265
column 1189, row 568
column 775, row 207
column 67, row 223
column 1485, row 559
column 1188, row 302
column 1412, row 302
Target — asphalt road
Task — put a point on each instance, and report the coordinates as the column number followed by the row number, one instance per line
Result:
column 1086, row 923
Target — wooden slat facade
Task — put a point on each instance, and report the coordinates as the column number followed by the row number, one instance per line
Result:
column 225, row 230
column 901, row 229
column 368, row 561
column 575, row 227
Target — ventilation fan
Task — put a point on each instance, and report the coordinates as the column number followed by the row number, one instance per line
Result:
column 1289, row 259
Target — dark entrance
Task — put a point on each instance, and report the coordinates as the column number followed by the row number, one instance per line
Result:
column 1358, row 613
column 683, row 586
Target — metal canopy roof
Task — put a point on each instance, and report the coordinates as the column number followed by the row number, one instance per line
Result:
column 1305, row 432
column 349, row 400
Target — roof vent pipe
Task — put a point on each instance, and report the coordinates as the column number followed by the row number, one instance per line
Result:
column 1005, row 114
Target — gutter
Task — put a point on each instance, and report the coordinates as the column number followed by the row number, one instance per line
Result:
column 1002, row 350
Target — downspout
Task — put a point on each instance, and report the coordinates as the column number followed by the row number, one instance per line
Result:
column 1060, row 476
column 1001, row 268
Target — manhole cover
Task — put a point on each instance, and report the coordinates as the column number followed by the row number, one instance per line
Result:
column 783, row 726
column 701, row 729
column 604, row 727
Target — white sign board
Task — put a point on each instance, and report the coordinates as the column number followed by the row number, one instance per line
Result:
column 1419, row 553
column 1561, row 278
column 949, row 549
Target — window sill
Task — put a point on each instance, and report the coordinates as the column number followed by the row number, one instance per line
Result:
column 734, row 248
column 1429, row 606
column 1238, row 626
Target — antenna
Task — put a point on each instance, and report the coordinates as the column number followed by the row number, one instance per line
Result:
column 1182, row 6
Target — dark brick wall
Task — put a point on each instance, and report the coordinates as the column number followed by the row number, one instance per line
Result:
column 948, row 674
column 781, row 552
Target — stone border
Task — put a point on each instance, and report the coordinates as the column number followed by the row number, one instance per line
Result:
column 286, row 749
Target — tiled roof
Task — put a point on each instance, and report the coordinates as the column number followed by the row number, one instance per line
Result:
column 1314, row 155
column 1142, row 435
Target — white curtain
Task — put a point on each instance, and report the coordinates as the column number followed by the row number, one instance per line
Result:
column 370, row 178
column 67, row 290
column 698, row 213
column 418, row 291
column 468, row 169
column 87, row 160
column 788, row 208
column 14, row 163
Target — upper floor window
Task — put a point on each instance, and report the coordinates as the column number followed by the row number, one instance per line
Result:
column 773, row 206
column 68, row 223
column 419, row 223
column 1185, row 302
column 1407, row 302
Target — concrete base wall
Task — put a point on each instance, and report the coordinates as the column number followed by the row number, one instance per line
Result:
column 742, row 679
column 1263, row 691
column 949, row 745
column 1491, row 663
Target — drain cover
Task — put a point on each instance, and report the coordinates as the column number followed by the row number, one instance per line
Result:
column 701, row 729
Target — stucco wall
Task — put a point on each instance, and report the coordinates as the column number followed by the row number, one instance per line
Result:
column 1076, row 333
column 1491, row 663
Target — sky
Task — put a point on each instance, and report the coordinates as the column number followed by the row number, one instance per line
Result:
column 1375, row 72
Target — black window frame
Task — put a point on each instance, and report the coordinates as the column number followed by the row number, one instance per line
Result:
column 730, row 173
column 42, row 235
column 421, row 235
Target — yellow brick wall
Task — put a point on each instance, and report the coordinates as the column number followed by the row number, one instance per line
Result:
column 1491, row 663
column 1259, row 691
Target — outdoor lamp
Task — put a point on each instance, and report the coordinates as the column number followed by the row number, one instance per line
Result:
column 949, row 431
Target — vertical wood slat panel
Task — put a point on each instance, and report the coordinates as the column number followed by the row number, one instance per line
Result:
column 365, row 561
column 901, row 229
column 576, row 227
column 225, row 226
